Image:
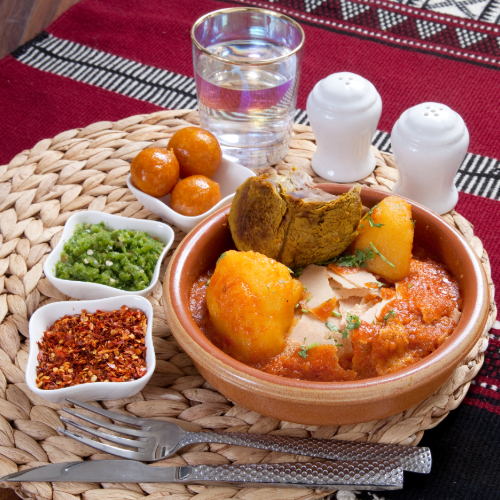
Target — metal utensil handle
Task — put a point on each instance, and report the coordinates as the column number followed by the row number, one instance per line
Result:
column 331, row 475
column 411, row 458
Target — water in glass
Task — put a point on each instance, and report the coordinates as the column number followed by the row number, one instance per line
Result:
column 249, row 108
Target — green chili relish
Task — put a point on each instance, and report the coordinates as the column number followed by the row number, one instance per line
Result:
column 119, row 258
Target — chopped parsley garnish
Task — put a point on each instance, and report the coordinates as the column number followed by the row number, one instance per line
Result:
column 372, row 224
column 353, row 322
column 207, row 283
column 331, row 327
column 305, row 348
column 296, row 305
column 336, row 314
column 357, row 259
column 380, row 255
column 308, row 299
column 413, row 221
column 390, row 314
column 379, row 285
column 409, row 285
column 305, row 311
column 221, row 257
column 368, row 217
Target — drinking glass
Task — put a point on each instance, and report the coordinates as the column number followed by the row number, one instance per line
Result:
column 247, row 65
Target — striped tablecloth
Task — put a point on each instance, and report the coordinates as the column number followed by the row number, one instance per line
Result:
column 109, row 60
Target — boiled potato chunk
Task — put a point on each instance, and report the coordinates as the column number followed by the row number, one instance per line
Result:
column 251, row 300
column 393, row 239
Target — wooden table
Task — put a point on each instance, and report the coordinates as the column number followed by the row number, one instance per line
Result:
column 21, row 20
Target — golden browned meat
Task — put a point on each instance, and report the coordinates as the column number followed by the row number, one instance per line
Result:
column 288, row 219
column 251, row 301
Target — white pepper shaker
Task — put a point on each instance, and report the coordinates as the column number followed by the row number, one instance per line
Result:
column 344, row 110
column 429, row 142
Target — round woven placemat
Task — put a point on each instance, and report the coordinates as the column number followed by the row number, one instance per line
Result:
column 86, row 169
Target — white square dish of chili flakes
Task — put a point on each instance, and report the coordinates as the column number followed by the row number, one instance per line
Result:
column 91, row 350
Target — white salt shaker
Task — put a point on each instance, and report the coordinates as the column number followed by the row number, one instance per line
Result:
column 344, row 110
column 429, row 142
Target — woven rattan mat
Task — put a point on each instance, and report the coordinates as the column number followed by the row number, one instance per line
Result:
column 86, row 169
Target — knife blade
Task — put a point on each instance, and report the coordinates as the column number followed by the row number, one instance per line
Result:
column 362, row 475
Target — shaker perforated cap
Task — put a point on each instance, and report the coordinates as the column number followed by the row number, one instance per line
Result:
column 345, row 93
column 431, row 124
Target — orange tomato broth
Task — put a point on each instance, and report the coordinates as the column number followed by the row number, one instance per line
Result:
column 407, row 329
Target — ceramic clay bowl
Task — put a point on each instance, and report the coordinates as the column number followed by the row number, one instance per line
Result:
column 326, row 403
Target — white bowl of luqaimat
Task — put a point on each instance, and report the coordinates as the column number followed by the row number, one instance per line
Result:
column 229, row 176
column 278, row 388
column 91, row 350
column 101, row 255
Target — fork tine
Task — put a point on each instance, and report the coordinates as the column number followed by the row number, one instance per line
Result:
column 103, row 447
column 106, row 413
column 133, row 443
column 106, row 425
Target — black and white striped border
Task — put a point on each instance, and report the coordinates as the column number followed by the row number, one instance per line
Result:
column 478, row 175
column 81, row 63
column 488, row 12
column 484, row 385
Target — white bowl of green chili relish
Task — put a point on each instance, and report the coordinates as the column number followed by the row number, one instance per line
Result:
column 102, row 255
column 230, row 177
column 66, row 356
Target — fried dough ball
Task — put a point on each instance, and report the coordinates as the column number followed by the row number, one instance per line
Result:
column 197, row 150
column 195, row 195
column 251, row 300
column 155, row 171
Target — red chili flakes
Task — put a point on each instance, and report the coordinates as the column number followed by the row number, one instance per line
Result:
column 99, row 347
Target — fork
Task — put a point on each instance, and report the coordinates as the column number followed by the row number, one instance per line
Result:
column 158, row 440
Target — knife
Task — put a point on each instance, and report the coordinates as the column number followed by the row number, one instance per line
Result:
column 362, row 475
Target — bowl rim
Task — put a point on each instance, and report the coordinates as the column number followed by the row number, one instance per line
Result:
column 458, row 336
column 50, row 261
column 92, row 305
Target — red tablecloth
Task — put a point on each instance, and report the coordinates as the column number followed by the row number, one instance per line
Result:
column 108, row 60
